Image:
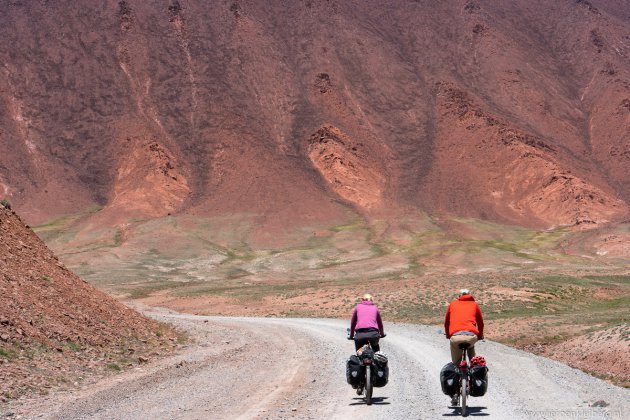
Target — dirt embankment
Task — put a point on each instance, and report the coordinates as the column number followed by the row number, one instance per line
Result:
column 56, row 329
column 604, row 353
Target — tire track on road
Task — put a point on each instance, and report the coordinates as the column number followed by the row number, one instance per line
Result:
column 282, row 368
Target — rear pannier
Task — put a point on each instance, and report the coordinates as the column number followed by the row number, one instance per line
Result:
column 478, row 381
column 380, row 370
column 449, row 379
column 354, row 371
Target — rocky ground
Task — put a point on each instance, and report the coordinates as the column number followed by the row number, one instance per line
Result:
column 56, row 329
column 269, row 368
column 585, row 325
column 604, row 353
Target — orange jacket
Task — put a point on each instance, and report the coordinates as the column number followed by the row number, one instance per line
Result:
column 463, row 314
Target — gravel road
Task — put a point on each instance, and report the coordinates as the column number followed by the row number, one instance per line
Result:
column 243, row 368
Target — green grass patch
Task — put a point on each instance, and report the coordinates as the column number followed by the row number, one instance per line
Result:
column 55, row 225
column 118, row 238
column 73, row 346
column 610, row 279
column 235, row 273
column 64, row 222
column 114, row 366
column 139, row 291
column 242, row 254
column 356, row 224
column 7, row 353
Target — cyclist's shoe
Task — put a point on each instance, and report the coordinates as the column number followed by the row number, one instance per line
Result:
column 454, row 400
column 360, row 390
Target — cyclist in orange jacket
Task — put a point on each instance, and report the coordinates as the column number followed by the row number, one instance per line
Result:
column 463, row 323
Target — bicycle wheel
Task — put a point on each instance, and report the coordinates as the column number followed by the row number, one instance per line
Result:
column 368, row 385
column 464, row 394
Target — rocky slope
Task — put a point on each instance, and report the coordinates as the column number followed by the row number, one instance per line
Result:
column 55, row 328
column 218, row 378
column 603, row 353
column 515, row 112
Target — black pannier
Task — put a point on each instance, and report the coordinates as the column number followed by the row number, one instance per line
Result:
column 354, row 371
column 380, row 374
column 449, row 379
column 478, row 381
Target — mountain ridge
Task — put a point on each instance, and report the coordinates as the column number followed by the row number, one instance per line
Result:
column 232, row 91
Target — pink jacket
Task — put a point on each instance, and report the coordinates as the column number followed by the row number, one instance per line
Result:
column 366, row 315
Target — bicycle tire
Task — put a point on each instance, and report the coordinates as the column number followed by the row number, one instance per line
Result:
column 368, row 385
column 464, row 394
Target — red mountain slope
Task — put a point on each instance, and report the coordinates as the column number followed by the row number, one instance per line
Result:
column 53, row 325
column 511, row 111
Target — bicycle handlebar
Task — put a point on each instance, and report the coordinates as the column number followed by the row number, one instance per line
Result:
column 352, row 338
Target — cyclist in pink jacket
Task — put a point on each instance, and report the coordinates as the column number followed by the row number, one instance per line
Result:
column 366, row 324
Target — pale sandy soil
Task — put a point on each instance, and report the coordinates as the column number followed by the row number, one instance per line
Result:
column 242, row 368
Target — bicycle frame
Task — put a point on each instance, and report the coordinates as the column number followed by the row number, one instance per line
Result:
column 367, row 362
column 463, row 363
column 464, row 381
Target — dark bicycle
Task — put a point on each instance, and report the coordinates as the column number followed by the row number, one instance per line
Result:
column 372, row 374
column 464, row 381
column 473, row 379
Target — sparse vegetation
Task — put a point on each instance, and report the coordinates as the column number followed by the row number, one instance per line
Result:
column 73, row 346
column 6, row 353
column 118, row 238
column 42, row 317
column 114, row 366
column 518, row 275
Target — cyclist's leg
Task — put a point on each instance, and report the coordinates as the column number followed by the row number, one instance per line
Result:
column 456, row 352
column 360, row 340
column 472, row 339
column 471, row 352
column 373, row 336
column 374, row 344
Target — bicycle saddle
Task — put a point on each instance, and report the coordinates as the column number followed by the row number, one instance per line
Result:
column 464, row 345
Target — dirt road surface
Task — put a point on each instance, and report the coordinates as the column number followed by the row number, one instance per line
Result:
column 246, row 368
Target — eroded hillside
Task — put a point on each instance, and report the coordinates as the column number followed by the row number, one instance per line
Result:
column 508, row 111
column 55, row 328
